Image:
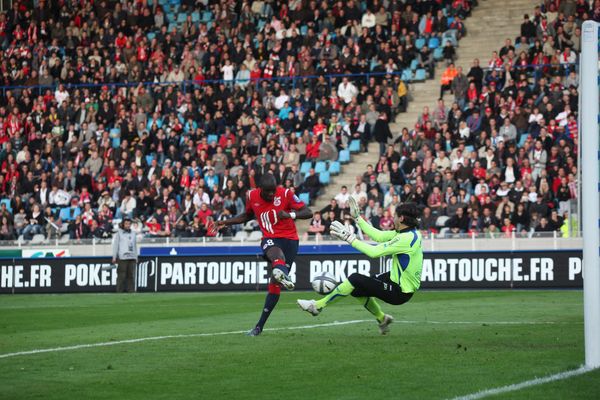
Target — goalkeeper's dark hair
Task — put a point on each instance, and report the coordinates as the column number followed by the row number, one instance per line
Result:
column 411, row 214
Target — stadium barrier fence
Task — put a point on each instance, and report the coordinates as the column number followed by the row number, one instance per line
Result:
column 534, row 71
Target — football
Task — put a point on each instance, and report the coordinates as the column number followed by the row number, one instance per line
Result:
column 324, row 283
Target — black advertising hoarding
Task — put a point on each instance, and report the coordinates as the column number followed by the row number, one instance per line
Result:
column 444, row 270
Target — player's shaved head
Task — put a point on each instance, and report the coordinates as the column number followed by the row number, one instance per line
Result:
column 267, row 185
column 267, row 181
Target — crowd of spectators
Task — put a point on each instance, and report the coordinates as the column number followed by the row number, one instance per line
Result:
column 169, row 111
column 502, row 159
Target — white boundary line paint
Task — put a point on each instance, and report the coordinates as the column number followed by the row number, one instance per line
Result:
column 191, row 335
column 526, row 384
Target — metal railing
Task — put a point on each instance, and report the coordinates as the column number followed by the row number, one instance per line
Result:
column 533, row 70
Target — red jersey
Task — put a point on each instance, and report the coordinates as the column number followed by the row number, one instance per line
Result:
column 266, row 213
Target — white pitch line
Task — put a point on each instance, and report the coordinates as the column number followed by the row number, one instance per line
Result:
column 526, row 384
column 191, row 335
column 487, row 322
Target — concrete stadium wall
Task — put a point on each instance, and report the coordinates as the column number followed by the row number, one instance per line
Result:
column 478, row 244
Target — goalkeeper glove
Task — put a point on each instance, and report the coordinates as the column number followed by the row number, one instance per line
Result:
column 338, row 230
column 354, row 208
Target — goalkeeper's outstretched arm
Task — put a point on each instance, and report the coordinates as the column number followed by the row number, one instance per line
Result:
column 374, row 233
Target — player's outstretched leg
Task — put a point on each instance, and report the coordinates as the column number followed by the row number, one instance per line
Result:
column 274, row 291
column 314, row 307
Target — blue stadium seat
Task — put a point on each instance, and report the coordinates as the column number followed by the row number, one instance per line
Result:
column 406, row 75
column 305, row 167
column 320, row 167
column 196, row 16
column 420, row 75
column 414, row 64
column 149, row 159
column 65, row 213
column 344, row 156
column 419, row 43
column 303, row 30
column 354, row 146
column 523, row 139
column 150, row 35
column 450, row 21
column 438, row 53
column 207, row 16
column 115, row 132
column 324, row 178
column 304, row 197
column 434, row 43
column 116, row 142
column 212, row 138
column 181, row 17
column 7, row 203
column 469, row 148
column 334, row 167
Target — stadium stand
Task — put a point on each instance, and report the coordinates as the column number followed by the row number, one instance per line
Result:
column 502, row 159
column 169, row 110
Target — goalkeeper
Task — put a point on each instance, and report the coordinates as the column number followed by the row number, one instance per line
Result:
column 394, row 287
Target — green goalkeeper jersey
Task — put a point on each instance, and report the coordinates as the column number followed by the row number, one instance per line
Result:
column 404, row 247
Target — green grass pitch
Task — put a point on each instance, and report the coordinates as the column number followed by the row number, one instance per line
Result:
column 444, row 344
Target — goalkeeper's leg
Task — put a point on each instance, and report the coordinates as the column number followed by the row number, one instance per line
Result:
column 361, row 286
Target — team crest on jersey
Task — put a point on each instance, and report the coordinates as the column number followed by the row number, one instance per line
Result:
column 277, row 201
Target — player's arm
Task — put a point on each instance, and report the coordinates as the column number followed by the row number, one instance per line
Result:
column 399, row 244
column 296, row 208
column 374, row 233
column 302, row 213
column 370, row 230
column 238, row 219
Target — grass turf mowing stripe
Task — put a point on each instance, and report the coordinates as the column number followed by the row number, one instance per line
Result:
column 336, row 323
column 526, row 384
column 191, row 335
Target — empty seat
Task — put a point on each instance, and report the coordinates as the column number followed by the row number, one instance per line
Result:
column 523, row 139
column 334, row 168
column 438, row 53
column 434, row 43
column 420, row 75
column 255, row 236
column 320, row 167
column 441, row 221
column 419, row 43
column 305, row 167
column 414, row 64
column 240, row 236
column 37, row 239
column 344, row 156
column 212, row 138
column 305, row 198
column 354, row 146
column 406, row 75
column 324, row 178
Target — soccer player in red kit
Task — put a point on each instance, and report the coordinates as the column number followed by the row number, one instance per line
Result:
column 275, row 209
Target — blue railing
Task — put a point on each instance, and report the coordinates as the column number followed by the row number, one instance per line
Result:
column 407, row 75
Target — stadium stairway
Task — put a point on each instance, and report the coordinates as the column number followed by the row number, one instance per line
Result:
column 491, row 22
